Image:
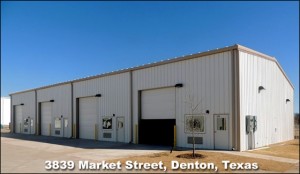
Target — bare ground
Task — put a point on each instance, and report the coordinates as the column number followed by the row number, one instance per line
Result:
column 210, row 157
column 289, row 149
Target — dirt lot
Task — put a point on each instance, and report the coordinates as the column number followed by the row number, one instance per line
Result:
column 212, row 157
column 28, row 153
column 289, row 149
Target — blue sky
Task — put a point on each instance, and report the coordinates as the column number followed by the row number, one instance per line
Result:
column 48, row 42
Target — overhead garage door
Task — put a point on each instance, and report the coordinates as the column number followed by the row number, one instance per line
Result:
column 158, row 104
column 158, row 117
column 46, row 117
column 87, row 117
column 18, row 118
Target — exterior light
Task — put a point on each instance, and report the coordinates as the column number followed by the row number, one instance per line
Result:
column 287, row 100
column 260, row 88
column 51, row 100
column 22, row 104
column 207, row 111
column 179, row 85
column 98, row 95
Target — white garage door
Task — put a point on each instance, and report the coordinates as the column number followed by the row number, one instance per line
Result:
column 46, row 117
column 87, row 117
column 19, row 119
column 158, row 104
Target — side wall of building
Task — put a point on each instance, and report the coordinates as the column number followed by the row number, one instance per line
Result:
column 207, row 78
column 61, row 106
column 274, row 113
column 27, row 99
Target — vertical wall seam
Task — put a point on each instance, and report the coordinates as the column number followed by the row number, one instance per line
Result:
column 72, row 112
column 35, row 103
column 131, row 106
column 238, row 100
column 233, row 113
column 12, row 119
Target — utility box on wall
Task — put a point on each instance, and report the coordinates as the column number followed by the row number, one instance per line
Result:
column 251, row 128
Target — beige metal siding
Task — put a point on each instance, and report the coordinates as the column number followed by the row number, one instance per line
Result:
column 115, row 99
column 207, row 78
column 61, row 105
column 28, row 109
column 275, row 116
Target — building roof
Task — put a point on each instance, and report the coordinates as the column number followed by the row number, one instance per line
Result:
column 171, row 60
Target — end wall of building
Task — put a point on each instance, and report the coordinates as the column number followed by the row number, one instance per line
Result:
column 274, row 113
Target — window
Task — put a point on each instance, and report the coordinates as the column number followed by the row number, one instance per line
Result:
column 221, row 124
column 26, row 122
column 194, row 123
column 107, row 123
column 57, row 123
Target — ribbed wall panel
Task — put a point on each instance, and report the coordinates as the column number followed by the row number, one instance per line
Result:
column 61, row 105
column 275, row 116
column 206, row 78
column 115, row 99
column 28, row 109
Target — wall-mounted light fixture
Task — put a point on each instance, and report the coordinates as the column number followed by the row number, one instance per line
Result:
column 51, row 100
column 22, row 104
column 287, row 100
column 98, row 95
column 179, row 85
column 261, row 88
column 207, row 111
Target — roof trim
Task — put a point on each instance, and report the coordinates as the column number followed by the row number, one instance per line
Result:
column 248, row 50
column 176, row 59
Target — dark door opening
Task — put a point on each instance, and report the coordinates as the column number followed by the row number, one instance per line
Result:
column 157, row 131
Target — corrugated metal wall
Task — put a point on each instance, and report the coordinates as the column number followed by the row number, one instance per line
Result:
column 28, row 109
column 61, row 105
column 207, row 78
column 115, row 99
column 274, row 114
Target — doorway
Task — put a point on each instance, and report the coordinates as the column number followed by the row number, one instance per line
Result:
column 221, row 132
column 120, row 129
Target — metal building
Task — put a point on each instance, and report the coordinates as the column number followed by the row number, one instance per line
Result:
column 232, row 98
column 5, row 111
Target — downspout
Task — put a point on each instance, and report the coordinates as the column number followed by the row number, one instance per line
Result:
column 12, row 120
column 36, row 113
column 72, row 112
column 233, row 113
column 238, row 100
column 131, row 108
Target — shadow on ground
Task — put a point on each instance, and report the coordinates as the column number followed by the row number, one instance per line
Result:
column 82, row 143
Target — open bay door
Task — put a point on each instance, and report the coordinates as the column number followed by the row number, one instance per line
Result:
column 157, row 117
